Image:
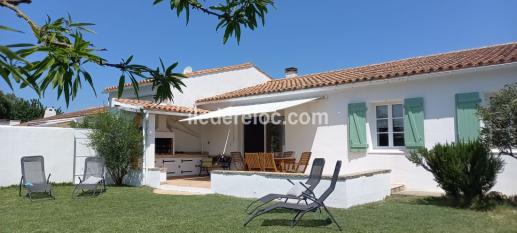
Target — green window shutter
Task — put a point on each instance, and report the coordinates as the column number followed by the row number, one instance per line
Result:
column 467, row 121
column 357, row 127
column 414, row 123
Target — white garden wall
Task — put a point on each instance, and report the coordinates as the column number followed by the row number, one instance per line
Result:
column 55, row 144
column 64, row 151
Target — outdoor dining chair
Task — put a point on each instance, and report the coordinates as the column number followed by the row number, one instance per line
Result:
column 237, row 161
column 300, row 166
column 253, row 161
column 33, row 177
column 267, row 160
column 93, row 177
column 314, row 179
column 302, row 209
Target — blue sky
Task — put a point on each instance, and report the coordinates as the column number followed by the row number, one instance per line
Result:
column 314, row 36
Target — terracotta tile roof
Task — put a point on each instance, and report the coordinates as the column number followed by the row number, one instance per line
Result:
column 197, row 73
column 148, row 105
column 492, row 55
column 80, row 113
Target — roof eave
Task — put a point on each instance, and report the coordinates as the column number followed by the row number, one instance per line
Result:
column 358, row 84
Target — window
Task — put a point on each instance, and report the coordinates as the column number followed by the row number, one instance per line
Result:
column 390, row 125
column 274, row 137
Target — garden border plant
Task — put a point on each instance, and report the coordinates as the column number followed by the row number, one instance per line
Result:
column 466, row 171
column 118, row 139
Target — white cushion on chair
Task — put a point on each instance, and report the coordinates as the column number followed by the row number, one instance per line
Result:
column 296, row 190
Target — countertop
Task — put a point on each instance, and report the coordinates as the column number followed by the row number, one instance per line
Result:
column 182, row 155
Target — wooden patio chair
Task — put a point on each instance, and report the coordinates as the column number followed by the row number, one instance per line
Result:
column 297, row 167
column 252, row 161
column 237, row 161
column 268, row 162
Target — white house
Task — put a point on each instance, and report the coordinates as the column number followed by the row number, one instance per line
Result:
column 368, row 117
column 375, row 112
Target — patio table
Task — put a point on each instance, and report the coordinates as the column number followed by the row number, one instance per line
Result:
column 278, row 162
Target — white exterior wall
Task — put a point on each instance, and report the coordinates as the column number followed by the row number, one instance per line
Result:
column 214, row 138
column 438, row 91
column 202, row 86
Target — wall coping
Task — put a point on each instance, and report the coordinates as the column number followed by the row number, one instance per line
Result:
column 349, row 176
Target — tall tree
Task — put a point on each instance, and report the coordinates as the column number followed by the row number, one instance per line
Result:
column 58, row 58
column 15, row 108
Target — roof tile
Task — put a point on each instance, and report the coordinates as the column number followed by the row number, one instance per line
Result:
column 491, row 55
column 161, row 107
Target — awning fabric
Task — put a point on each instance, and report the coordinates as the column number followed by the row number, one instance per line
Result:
column 250, row 109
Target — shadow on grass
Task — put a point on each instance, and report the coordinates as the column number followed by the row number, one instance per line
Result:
column 489, row 202
column 38, row 197
column 302, row 223
column 436, row 201
column 89, row 194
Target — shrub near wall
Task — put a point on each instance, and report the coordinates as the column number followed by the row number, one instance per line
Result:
column 117, row 139
column 466, row 171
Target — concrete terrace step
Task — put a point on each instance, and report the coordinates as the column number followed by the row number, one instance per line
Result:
column 182, row 190
column 397, row 188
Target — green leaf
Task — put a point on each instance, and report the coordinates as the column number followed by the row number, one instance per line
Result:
column 5, row 75
column 170, row 68
column 157, row 1
column 121, row 83
column 135, row 84
column 5, row 28
column 19, row 45
column 129, row 59
column 88, row 78
column 10, row 54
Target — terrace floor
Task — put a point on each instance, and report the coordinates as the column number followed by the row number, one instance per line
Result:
column 186, row 185
column 190, row 181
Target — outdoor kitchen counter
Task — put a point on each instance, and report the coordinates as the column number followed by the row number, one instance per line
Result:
column 184, row 164
column 186, row 156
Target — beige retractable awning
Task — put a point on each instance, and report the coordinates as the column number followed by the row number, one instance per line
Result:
column 250, row 109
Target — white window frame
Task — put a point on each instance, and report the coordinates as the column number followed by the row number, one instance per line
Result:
column 390, row 125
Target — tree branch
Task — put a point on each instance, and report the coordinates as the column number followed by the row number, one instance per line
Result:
column 16, row 2
column 198, row 6
column 11, row 4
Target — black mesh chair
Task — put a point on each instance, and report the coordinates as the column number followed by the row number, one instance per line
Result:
column 314, row 179
column 93, row 176
column 33, row 177
column 301, row 209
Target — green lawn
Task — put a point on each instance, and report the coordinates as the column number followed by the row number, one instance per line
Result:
column 124, row 209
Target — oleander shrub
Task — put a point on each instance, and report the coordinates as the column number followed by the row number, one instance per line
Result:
column 466, row 171
column 117, row 139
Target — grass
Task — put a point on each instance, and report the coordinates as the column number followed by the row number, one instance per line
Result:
column 126, row 209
